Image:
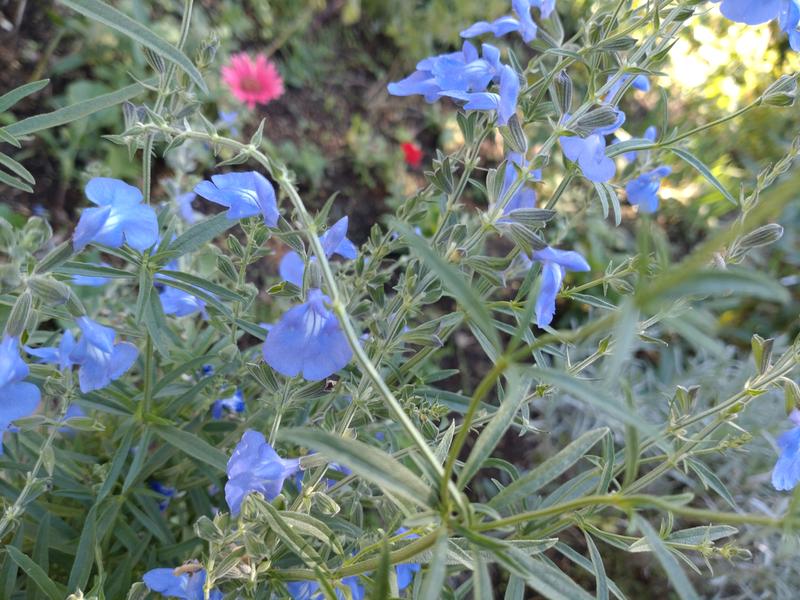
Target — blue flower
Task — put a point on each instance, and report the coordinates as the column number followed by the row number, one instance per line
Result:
column 181, row 304
column 643, row 191
column 120, row 215
column 751, row 12
column 18, row 398
column 58, row 355
column 245, row 194
column 590, row 154
column 555, row 264
column 307, row 340
column 309, row 590
column 255, row 467
column 464, row 71
column 333, row 241
column 786, row 473
column 188, row 586
column 504, row 102
column 405, row 571
column 167, row 492
column 100, row 359
column 789, row 21
column 522, row 23
column 524, row 197
column 640, row 82
column 234, row 403
column 185, row 209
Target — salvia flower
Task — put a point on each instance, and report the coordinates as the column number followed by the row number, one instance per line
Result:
column 504, row 102
column 245, row 194
column 521, row 23
column 166, row 491
column 405, row 571
column 181, row 304
column 309, row 590
column 464, row 71
column 255, row 467
column 101, row 360
column 643, row 191
column 185, row 585
column 755, row 12
column 524, row 197
column 18, row 398
column 119, row 217
column 307, row 340
column 651, row 133
column 58, row 355
column 590, row 154
column 412, row 154
column 252, row 81
column 555, row 264
column 334, row 241
column 234, row 403
column 229, row 119
column 786, row 473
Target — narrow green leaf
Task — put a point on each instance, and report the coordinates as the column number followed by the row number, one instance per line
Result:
column 74, row 112
column 481, row 581
column 8, row 138
column 15, row 182
column 16, row 168
column 489, row 438
column 591, row 395
column 138, row 461
column 203, row 284
column 601, row 581
column 110, row 16
column 366, row 461
column 35, row 573
column 285, row 531
column 196, row 236
column 118, row 462
column 381, row 588
column 193, row 446
column 84, row 556
column 630, row 145
column 552, row 583
column 433, row 582
column 680, row 582
column 156, row 324
column 547, row 471
column 697, row 164
column 9, row 99
column 732, row 280
column 77, row 268
column 41, row 551
column 145, row 289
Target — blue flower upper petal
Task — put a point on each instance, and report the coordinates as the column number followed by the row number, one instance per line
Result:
column 307, row 340
column 786, row 474
column 751, row 12
column 246, row 194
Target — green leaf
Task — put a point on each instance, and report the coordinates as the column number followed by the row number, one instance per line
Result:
column 552, row 583
column 35, row 573
column 601, row 581
column 84, row 555
column 9, row 99
column 515, row 395
column 196, row 236
column 16, row 168
column 8, row 138
column 732, row 280
column 630, row 145
column 110, row 16
column 593, row 396
column 695, row 162
column 481, row 580
column 156, row 324
column 74, row 112
column 547, row 471
column 366, row 461
column 78, row 268
column 680, row 582
column 118, row 462
column 203, row 284
column 433, row 582
column 454, row 282
column 14, row 182
column 284, row 530
column 192, row 446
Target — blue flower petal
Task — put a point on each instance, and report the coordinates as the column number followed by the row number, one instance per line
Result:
column 786, row 474
column 107, row 191
column 292, row 268
column 307, row 340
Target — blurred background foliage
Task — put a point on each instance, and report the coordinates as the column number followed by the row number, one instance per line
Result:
column 340, row 132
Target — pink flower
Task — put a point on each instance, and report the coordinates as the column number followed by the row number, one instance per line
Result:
column 252, row 81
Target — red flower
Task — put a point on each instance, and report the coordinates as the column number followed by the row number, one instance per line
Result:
column 412, row 154
column 252, row 81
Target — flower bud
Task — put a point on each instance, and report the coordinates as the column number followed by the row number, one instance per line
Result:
column 561, row 92
column 781, row 93
column 48, row 290
column 36, row 232
column 7, row 236
column 20, row 313
column 763, row 236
